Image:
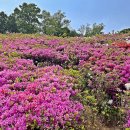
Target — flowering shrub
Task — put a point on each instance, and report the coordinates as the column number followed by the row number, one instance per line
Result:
column 52, row 83
column 45, row 103
column 128, row 120
column 122, row 44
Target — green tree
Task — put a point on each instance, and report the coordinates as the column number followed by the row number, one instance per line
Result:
column 73, row 33
column 3, row 22
column 27, row 18
column 97, row 28
column 11, row 24
column 87, row 30
column 55, row 24
column 125, row 31
column 82, row 30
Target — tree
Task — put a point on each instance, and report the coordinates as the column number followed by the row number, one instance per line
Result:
column 73, row 33
column 3, row 22
column 125, row 31
column 11, row 24
column 55, row 24
column 82, row 30
column 27, row 18
column 86, row 30
column 48, row 23
column 97, row 28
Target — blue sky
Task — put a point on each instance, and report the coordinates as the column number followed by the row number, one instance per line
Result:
column 115, row 14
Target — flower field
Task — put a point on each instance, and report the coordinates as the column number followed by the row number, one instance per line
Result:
column 53, row 83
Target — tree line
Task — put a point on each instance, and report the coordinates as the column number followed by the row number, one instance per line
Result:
column 28, row 18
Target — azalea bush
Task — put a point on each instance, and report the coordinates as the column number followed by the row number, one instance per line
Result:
column 63, row 83
column 44, row 103
column 128, row 120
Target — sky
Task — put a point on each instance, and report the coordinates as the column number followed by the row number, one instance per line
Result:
column 115, row 14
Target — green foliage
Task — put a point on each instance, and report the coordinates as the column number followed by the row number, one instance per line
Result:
column 3, row 22
column 11, row 24
column 1, row 46
column 82, row 30
column 79, row 81
column 125, row 31
column 73, row 33
column 110, row 112
column 55, row 24
column 14, row 54
column 27, row 18
column 127, row 129
column 96, row 29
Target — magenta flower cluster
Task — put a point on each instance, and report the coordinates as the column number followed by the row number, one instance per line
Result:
column 44, row 103
column 33, row 96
